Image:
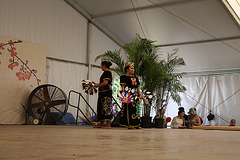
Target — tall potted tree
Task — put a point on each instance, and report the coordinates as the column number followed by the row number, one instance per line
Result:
column 170, row 85
column 157, row 76
column 142, row 52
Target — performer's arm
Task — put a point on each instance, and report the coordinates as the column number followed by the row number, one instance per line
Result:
column 104, row 83
column 140, row 96
column 123, row 88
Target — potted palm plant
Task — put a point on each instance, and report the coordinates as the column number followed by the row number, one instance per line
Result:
column 157, row 76
column 170, row 85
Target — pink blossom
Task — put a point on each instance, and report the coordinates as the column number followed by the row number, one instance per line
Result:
column 10, row 66
column 13, row 53
column 11, row 42
column 1, row 46
column 20, row 76
column 27, row 75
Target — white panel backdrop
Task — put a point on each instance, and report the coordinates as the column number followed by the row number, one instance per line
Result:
column 68, row 77
column 18, row 82
column 52, row 23
column 220, row 94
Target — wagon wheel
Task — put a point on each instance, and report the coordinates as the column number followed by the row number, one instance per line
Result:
column 47, row 104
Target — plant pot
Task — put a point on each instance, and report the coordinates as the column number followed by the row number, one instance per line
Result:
column 146, row 122
column 159, row 123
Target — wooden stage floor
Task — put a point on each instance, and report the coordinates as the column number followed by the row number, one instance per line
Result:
column 86, row 143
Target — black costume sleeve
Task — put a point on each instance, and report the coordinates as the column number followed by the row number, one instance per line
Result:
column 107, row 75
column 122, row 80
column 138, row 83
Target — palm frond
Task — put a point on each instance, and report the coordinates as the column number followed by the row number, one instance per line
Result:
column 116, row 58
column 172, row 54
column 137, row 50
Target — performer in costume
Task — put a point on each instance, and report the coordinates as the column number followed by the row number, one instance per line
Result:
column 129, row 83
column 104, row 104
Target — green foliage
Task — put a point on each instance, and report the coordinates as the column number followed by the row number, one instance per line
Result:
column 158, row 76
column 140, row 51
column 116, row 58
column 115, row 90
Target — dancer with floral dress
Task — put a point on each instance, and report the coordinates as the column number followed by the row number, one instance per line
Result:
column 104, row 104
column 130, row 88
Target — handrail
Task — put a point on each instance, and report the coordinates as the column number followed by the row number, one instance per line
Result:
column 78, row 105
column 116, row 102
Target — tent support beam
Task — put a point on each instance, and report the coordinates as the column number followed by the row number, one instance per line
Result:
column 212, row 72
column 201, row 41
column 166, row 4
column 72, row 62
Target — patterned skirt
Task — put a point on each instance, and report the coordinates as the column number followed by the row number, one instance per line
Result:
column 104, row 106
column 129, row 115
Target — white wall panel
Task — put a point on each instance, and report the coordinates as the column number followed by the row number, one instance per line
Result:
column 50, row 22
column 68, row 76
column 100, row 43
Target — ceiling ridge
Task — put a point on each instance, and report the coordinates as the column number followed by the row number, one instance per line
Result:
column 166, row 4
column 200, row 41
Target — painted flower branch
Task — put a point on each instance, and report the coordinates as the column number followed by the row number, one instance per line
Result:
column 25, row 71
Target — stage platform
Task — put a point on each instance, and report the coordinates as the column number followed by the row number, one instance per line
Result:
column 62, row 142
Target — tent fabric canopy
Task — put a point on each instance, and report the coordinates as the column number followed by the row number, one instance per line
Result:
column 205, row 34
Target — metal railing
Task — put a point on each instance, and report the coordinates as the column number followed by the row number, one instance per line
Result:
column 78, row 105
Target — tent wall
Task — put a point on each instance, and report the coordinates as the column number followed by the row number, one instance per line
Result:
column 72, row 45
column 218, row 94
column 51, row 23
column 70, row 41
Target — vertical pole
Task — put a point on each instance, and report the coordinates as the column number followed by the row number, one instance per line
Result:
column 78, row 108
column 88, row 50
column 209, row 98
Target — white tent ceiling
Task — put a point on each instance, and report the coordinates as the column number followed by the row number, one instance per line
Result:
column 204, row 32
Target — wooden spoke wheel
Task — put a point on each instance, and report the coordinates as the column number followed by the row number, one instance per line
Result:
column 47, row 104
